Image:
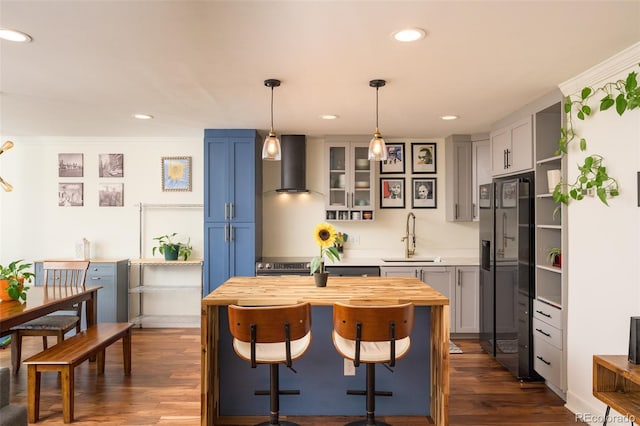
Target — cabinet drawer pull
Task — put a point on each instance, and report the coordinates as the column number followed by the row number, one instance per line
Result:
column 542, row 332
column 230, row 232
column 544, row 314
column 226, row 216
column 96, row 278
column 543, row 360
column 226, row 234
column 230, row 210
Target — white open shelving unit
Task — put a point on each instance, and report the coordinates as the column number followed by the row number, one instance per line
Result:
column 155, row 304
column 549, row 316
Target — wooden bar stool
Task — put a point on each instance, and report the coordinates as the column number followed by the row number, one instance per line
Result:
column 271, row 335
column 372, row 335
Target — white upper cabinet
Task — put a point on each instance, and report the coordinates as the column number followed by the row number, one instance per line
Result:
column 350, row 180
column 459, row 182
column 512, row 148
column 467, row 166
column 481, row 171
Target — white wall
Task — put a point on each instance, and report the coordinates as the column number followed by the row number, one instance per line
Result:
column 289, row 220
column 603, row 267
column 34, row 227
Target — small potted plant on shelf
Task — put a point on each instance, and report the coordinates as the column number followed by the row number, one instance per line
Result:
column 172, row 250
column 554, row 256
column 12, row 278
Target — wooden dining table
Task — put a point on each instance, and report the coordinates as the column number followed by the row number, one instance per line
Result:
column 45, row 300
column 353, row 290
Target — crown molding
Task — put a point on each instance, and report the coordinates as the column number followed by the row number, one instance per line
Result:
column 623, row 61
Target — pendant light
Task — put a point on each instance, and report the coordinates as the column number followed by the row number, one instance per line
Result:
column 271, row 147
column 377, row 147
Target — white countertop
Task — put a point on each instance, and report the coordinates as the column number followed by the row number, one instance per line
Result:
column 444, row 261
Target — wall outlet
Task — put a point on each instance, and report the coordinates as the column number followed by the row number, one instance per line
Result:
column 354, row 239
column 349, row 368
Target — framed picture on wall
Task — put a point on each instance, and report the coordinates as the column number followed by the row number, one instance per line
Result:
column 111, row 165
column 70, row 165
column 111, row 194
column 423, row 157
column 391, row 193
column 395, row 159
column 70, row 194
column 176, row 173
column 424, row 193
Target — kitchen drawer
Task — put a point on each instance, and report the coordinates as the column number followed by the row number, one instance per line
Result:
column 547, row 361
column 547, row 313
column 547, row 333
column 101, row 270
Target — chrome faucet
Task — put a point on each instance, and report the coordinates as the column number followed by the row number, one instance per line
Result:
column 410, row 237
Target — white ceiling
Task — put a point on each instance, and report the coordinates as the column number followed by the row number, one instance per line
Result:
column 201, row 64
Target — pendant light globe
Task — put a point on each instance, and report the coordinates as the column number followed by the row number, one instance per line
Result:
column 271, row 148
column 377, row 147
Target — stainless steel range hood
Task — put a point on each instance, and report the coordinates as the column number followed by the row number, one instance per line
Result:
column 293, row 177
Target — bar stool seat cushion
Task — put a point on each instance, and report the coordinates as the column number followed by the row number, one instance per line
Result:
column 370, row 352
column 272, row 353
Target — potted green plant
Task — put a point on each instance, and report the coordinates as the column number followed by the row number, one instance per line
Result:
column 593, row 176
column 554, row 256
column 12, row 278
column 172, row 250
column 327, row 239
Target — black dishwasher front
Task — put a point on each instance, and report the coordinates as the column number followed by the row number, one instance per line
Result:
column 353, row 271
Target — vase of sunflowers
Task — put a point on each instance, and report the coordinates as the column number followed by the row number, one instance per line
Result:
column 327, row 239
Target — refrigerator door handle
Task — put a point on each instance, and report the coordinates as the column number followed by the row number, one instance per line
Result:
column 486, row 255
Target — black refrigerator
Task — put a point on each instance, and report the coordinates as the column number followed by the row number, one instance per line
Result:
column 507, row 285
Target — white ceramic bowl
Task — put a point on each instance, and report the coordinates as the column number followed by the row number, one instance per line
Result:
column 362, row 164
column 362, row 184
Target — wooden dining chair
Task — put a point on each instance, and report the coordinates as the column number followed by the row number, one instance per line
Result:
column 59, row 276
column 372, row 335
column 271, row 335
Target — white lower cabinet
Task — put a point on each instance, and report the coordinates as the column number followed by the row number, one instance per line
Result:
column 459, row 283
column 547, row 343
column 399, row 271
column 467, row 299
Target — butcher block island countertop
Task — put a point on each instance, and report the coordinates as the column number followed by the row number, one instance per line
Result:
column 354, row 290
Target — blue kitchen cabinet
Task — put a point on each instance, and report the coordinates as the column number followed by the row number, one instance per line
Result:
column 232, row 204
column 113, row 297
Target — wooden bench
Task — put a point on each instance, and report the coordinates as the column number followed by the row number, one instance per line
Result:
column 68, row 354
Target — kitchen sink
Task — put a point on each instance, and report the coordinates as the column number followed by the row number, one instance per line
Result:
column 412, row 259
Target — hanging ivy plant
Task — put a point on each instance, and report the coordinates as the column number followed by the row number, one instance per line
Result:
column 593, row 175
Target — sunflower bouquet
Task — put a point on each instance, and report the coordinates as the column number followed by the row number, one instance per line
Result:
column 327, row 239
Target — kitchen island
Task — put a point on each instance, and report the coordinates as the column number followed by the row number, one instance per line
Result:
column 294, row 289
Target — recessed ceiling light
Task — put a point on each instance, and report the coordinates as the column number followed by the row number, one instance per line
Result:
column 143, row 116
column 409, row 34
column 329, row 116
column 13, row 35
column 450, row 117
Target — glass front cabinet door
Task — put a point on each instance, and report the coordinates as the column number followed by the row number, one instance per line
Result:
column 350, row 182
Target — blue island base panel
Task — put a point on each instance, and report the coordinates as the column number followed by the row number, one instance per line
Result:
column 321, row 380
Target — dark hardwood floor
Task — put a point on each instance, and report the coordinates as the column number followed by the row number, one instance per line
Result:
column 164, row 388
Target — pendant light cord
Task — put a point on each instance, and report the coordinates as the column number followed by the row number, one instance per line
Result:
column 377, row 107
column 272, row 108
